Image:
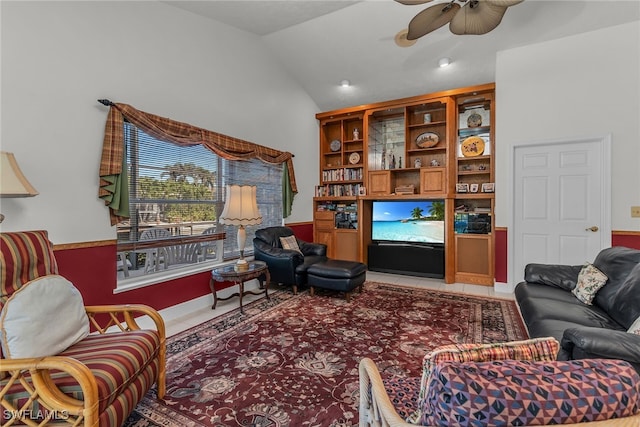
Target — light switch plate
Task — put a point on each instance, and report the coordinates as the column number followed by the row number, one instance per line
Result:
column 635, row 211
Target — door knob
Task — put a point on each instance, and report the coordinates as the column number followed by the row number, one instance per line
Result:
column 593, row 228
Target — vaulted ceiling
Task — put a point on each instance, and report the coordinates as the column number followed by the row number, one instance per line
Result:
column 321, row 42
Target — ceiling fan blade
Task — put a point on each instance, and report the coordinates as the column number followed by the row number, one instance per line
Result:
column 504, row 3
column 477, row 17
column 413, row 2
column 431, row 19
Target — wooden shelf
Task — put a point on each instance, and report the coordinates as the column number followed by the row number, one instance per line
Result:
column 460, row 173
column 430, row 124
column 337, row 199
column 388, row 130
column 476, row 158
column 475, row 196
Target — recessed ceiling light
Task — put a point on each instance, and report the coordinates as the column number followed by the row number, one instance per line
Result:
column 345, row 83
column 444, row 62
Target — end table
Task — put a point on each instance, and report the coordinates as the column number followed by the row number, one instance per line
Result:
column 228, row 273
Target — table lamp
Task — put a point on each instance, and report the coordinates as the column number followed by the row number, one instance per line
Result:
column 13, row 183
column 241, row 209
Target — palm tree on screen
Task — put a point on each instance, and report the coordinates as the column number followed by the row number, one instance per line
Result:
column 416, row 213
column 437, row 210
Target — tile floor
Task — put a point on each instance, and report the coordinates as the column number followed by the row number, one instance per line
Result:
column 192, row 313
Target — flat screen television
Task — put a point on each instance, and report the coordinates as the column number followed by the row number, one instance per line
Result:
column 408, row 221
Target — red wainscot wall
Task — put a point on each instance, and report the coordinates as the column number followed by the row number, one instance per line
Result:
column 630, row 239
column 500, row 256
column 91, row 268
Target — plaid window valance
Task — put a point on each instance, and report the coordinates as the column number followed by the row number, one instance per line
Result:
column 113, row 182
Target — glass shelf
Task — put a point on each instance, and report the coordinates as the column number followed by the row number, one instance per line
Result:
column 386, row 141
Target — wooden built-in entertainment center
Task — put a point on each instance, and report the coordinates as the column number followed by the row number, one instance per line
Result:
column 437, row 146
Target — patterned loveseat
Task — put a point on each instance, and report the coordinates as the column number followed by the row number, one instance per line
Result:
column 63, row 363
column 517, row 383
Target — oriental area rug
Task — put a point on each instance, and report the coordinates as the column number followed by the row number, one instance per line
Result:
column 293, row 361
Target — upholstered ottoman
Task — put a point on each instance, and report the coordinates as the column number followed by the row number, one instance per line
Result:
column 337, row 275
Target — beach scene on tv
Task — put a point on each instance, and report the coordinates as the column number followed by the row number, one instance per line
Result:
column 408, row 221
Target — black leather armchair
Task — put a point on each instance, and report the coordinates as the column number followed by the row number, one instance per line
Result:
column 286, row 266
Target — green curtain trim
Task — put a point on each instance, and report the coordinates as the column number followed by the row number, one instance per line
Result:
column 287, row 192
column 118, row 197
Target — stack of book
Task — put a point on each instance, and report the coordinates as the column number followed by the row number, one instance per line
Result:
column 405, row 189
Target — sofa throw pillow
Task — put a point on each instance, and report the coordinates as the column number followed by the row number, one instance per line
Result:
column 43, row 318
column 291, row 243
column 590, row 281
column 635, row 327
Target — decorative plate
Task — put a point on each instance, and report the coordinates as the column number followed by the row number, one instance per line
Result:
column 335, row 145
column 474, row 120
column 354, row 158
column 472, row 146
column 427, row 139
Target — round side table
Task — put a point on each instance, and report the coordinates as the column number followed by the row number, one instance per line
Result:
column 228, row 273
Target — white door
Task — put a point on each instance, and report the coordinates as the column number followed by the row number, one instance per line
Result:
column 561, row 210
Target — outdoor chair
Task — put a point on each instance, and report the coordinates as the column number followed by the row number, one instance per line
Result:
column 64, row 363
column 155, row 257
column 123, row 264
column 209, row 248
column 188, row 253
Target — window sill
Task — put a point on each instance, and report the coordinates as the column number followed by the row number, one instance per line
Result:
column 125, row 285
column 130, row 284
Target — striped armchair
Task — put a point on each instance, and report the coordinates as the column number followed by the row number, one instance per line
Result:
column 100, row 377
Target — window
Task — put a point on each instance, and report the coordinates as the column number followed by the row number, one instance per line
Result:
column 176, row 194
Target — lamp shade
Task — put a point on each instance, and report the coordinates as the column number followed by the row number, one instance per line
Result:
column 13, row 183
column 241, row 206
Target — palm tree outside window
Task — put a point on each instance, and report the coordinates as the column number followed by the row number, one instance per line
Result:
column 180, row 189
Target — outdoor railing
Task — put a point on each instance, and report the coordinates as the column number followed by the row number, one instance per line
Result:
column 165, row 251
column 124, row 246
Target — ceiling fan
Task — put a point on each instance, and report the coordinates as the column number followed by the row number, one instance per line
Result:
column 464, row 17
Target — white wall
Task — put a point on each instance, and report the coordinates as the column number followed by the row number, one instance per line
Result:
column 584, row 85
column 58, row 58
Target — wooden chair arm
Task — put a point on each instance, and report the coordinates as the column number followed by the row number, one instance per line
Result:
column 127, row 314
column 128, row 311
column 376, row 410
column 42, row 388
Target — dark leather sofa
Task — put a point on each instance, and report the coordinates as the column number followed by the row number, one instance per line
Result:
column 585, row 331
column 286, row 266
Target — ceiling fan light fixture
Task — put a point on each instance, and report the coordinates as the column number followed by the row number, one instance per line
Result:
column 444, row 62
column 345, row 83
column 476, row 17
column 401, row 39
